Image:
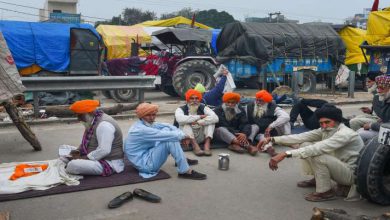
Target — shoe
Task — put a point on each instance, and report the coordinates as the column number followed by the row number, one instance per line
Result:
column 193, row 175
column 342, row 190
column 207, row 153
column 119, row 200
column 147, row 196
column 307, row 183
column 190, row 162
column 320, row 197
column 271, row 151
column 198, row 152
column 252, row 150
column 236, row 148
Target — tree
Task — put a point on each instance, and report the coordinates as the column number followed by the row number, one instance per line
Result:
column 185, row 12
column 130, row 16
column 213, row 18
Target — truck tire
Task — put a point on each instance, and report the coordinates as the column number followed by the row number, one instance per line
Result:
column 192, row 72
column 169, row 90
column 123, row 95
column 106, row 93
column 373, row 172
column 309, row 82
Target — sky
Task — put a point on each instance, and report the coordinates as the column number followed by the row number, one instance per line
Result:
column 334, row 11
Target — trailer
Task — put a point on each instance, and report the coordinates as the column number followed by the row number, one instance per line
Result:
column 256, row 53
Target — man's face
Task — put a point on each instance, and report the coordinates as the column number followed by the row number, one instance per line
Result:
column 150, row 118
column 193, row 100
column 231, row 104
column 85, row 119
column 260, row 102
column 369, row 83
column 326, row 123
column 383, row 92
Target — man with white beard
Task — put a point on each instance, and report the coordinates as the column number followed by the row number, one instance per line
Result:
column 267, row 119
column 329, row 153
column 368, row 116
column 381, row 107
column 101, row 149
column 197, row 121
column 233, row 127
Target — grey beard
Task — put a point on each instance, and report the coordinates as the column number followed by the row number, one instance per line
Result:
column 384, row 97
column 193, row 109
column 372, row 89
column 328, row 129
column 230, row 113
column 89, row 119
column 259, row 110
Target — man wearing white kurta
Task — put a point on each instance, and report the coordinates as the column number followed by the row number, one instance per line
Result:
column 197, row 121
column 101, row 149
column 329, row 153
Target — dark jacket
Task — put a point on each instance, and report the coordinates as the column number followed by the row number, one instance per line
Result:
column 214, row 96
column 382, row 110
column 265, row 120
column 239, row 124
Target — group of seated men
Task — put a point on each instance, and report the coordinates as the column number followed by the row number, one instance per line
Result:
column 329, row 152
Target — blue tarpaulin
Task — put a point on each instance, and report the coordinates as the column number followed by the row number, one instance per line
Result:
column 44, row 44
column 214, row 40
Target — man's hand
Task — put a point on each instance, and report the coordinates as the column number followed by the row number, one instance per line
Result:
column 186, row 141
column 267, row 132
column 273, row 163
column 367, row 126
column 366, row 110
column 202, row 116
column 262, row 143
column 241, row 137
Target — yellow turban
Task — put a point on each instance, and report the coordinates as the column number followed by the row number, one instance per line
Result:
column 84, row 106
column 146, row 109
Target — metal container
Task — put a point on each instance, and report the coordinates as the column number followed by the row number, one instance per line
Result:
column 223, row 161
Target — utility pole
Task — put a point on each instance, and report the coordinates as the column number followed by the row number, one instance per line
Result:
column 272, row 14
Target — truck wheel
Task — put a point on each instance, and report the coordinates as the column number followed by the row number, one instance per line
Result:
column 123, row 95
column 373, row 172
column 309, row 82
column 106, row 93
column 192, row 72
column 169, row 90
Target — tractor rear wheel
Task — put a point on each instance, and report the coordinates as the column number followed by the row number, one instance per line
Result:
column 192, row 72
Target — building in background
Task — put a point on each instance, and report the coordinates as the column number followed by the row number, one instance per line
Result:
column 359, row 20
column 64, row 11
column 276, row 17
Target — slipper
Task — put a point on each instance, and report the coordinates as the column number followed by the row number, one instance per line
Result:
column 199, row 152
column 320, row 197
column 236, row 148
column 147, row 196
column 119, row 200
column 307, row 183
column 207, row 153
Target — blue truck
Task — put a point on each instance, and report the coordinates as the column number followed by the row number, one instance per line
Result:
column 250, row 50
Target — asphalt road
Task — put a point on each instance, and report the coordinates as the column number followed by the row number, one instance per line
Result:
column 248, row 190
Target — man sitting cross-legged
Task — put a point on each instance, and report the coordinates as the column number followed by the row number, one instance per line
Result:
column 233, row 127
column 197, row 121
column 149, row 144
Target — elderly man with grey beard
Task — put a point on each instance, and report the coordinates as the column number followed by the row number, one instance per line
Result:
column 197, row 121
column 380, row 106
column 233, row 127
column 267, row 119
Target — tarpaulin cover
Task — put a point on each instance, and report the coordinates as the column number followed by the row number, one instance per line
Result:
column 176, row 21
column 378, row 28
column 10, row 83
column 259, row 43
column 352, row 38
column 181, row 35
column 44, row 44
column 118, row 38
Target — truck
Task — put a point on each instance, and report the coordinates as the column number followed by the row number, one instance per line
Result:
column 270, row 52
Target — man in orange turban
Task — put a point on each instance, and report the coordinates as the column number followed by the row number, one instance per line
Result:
column 149, row 143
column 267, row 118
column 101, row 149
column 233, row 127
column 197, row 121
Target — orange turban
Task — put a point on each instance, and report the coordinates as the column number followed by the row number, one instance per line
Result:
column 231, row 96
column 84, row 106
column 264, row 95
column 192, row 92
column 146, row 109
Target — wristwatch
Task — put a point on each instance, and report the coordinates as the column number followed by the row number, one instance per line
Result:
column 288, row 153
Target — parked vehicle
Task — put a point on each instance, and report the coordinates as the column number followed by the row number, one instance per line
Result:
column 251, row 50
column 188, row 60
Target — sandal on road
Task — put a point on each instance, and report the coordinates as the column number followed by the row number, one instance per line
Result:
column 320, row 197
